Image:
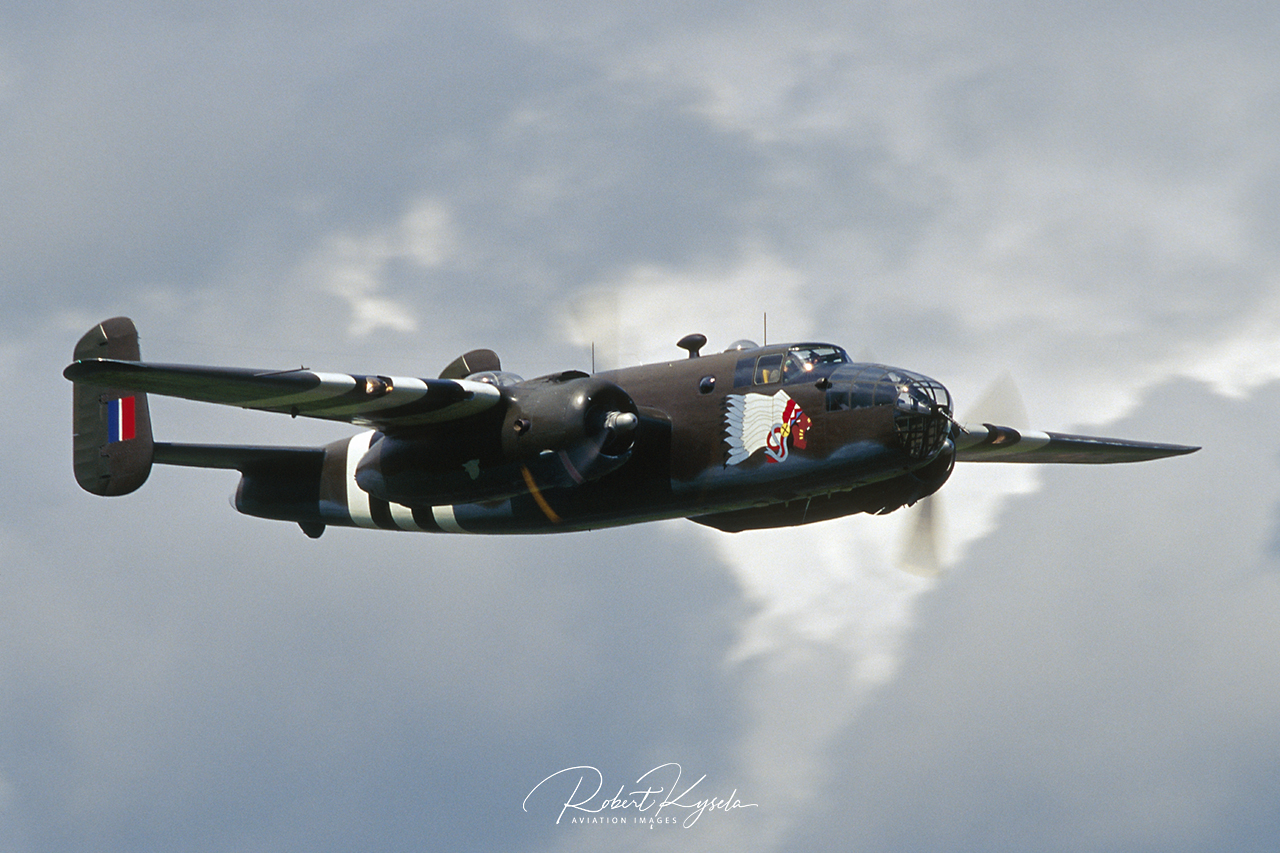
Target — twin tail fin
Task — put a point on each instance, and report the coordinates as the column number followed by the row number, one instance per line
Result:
column 113, row 447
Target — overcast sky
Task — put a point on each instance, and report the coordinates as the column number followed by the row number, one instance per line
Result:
column 1083, row 198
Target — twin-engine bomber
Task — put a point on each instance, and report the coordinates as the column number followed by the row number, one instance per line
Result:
column 753, row 437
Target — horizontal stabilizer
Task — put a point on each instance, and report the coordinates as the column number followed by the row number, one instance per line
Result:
column 992, row 443
column 235, row 457
column 381, row 401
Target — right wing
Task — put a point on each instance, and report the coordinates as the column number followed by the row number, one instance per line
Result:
column 383, row 402
column 991, row 443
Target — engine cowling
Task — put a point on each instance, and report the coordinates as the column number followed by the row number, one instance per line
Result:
column 553, row 432
column 589, row 420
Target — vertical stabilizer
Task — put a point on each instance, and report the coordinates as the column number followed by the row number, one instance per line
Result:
column 113, row 448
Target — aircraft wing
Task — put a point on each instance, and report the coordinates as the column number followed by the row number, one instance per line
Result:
column 992, row 443
column 384, row 402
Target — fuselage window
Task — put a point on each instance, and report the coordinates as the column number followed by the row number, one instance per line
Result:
column 769, row 369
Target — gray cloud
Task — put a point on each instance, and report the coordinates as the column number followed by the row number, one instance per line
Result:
column 1092, row 676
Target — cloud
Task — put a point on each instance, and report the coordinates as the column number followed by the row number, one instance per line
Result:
column 637, row 317
column 1087, row 689
column 1031, row 186
column 356, row 267
column 246, row 684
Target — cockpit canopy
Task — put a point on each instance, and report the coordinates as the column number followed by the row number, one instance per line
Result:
column 499, row 378
column 792, row 364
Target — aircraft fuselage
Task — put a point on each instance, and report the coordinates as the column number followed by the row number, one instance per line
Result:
column 752, row 437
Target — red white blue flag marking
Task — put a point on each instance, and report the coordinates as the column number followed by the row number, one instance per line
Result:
column 122, row 420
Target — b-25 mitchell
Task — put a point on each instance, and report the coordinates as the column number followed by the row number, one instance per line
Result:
column 751, row 437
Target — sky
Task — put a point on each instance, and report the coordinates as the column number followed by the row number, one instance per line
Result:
column 1080, row 199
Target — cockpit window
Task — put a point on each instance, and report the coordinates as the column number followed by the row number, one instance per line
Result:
column 821, row 354
column 797, row 363
column 802, row 360
column 795, row 367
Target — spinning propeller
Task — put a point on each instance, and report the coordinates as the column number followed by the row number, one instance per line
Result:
column 1001, row 403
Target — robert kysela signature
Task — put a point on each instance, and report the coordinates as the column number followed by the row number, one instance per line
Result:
column 648, row 798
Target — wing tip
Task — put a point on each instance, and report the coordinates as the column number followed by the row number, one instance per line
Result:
column 1117, row 449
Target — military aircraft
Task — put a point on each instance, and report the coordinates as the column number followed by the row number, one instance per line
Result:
column 752, row 437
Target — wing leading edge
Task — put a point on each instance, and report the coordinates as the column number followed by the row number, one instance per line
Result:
column 992, row 443
column 379, row 401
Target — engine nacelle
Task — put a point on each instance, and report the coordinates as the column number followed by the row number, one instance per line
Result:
column 592, row 421
column 557, row 431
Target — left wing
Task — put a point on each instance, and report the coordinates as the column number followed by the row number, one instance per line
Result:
column 992, row 443
column 384, row 402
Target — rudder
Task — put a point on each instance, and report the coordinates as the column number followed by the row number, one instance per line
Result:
column 113, row 447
